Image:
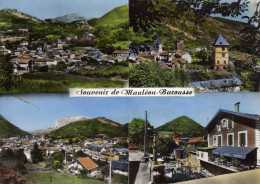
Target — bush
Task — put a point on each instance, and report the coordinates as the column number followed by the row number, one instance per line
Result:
column 57, row 159
column 152, row 75
column 36, row 154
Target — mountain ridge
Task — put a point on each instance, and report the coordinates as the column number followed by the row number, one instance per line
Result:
column 20, row 14
column 69, row 18
column 10, row 130
column 183, row 125
column 89, row 128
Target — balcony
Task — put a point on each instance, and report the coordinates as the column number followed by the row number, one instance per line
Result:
column 233, row 159
column 233, row 165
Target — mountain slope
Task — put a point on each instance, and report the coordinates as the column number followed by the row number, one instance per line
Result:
column 10, row 17
column 90, row 128
column 113, row 18
column 183, row 125
column 69, row 18
column 9, row 130
column 65, row 121
column 22, row 15
column 185, row 26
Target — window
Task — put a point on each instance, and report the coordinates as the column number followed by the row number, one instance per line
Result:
column 223, row 48
column 218, row 128
column 224, row 123
column 219, row 139
column 223, row 55
column 242, row 138
column 230, row 139
column 215, row 140
column 232, row 124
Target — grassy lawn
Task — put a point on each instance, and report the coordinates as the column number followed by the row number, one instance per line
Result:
column 58, row 83
column 57, row 178
column 116, row 71
column 115, row 17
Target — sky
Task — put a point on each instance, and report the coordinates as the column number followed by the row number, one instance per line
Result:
column 53, row 8
column 33, row 112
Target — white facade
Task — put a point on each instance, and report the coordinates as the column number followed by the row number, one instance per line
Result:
column 187, row 57
column 203, row 155
column 257, row 141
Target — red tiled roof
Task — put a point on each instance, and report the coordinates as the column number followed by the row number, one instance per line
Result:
column 87, row 163
column 196, row 140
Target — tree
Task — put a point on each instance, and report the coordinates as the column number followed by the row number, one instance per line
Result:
column 136, row 131
column 61, row 66
column 36, row 154
column 6, row 73
column 250, row 35
column 57, row 159
column 204, row 56
column 152, row 75
column 144, row 14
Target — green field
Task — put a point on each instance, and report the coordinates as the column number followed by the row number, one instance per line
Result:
column 58, row 83
column 57, row 178
column 115, row 17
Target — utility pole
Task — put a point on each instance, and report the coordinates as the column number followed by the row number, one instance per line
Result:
column 154, row 148
column 110, row 172
column 145, row 134
column 154, row 157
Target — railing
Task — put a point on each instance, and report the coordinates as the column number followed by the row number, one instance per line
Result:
column 233, row 165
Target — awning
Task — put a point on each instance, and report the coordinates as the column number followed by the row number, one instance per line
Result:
column 233, row 152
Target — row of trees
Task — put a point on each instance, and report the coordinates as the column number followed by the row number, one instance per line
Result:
column 6, row 73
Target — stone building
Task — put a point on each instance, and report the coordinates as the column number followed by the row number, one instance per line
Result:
column 221, row 53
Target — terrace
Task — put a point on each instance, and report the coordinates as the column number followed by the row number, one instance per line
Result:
column 233, row 159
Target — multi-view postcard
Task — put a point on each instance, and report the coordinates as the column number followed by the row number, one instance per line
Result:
column 81, row 86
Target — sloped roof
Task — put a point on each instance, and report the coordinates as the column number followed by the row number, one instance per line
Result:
column 121, row 165
column 218, row 83
column 231, row 114
column 87, row 163
column 196, row 140
column 221, row 41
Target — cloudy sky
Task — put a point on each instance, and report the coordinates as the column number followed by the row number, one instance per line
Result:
column 53, row 8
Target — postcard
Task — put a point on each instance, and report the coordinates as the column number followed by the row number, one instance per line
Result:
column 129, row 91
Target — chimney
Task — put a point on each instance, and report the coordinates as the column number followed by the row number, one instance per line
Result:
column 237, row 107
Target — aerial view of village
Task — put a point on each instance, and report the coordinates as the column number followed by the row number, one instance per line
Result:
column 51, row 46
column 62, row 140
column 195, row 141
column 208, row 45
